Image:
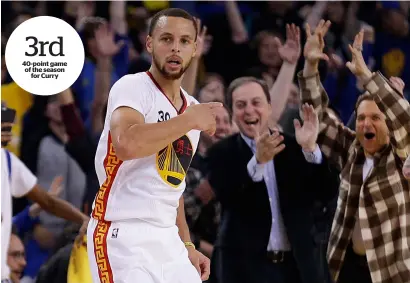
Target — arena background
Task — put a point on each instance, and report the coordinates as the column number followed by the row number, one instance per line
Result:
column 56, row 136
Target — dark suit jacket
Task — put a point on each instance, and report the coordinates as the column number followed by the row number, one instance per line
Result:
column 246, row 215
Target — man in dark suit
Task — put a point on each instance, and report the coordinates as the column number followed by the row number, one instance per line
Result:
column 272, row 198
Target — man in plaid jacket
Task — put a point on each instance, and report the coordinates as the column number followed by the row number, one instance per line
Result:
column 370, row 238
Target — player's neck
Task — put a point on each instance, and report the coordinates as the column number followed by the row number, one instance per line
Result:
column 171, row 88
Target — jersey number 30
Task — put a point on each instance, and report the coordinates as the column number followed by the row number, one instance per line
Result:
column 163, row 116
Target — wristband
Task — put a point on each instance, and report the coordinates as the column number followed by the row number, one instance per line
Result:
column 189, row 244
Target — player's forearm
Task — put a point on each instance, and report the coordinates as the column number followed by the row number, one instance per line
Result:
column 181, row 223
column 143, row 140
column 279, row 93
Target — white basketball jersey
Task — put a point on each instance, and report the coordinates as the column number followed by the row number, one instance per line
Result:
column 147, row 188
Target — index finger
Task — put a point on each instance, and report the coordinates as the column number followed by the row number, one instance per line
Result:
column 326, row 27
column 307, row 29
column 206, row 270
column 319, row 26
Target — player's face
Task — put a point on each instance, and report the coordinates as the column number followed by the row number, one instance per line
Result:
column 250, row 108
column 371, row 127
column 172, row 46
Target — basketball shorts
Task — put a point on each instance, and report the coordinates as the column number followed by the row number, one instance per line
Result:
column 133, row 251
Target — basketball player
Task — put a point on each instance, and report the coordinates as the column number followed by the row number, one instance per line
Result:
column 138, row 231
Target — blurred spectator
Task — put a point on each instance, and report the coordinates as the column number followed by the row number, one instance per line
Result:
column 14, row 97
column 18, row 181
column 274, row 16
column 291, row 111
column 55, row 269
column 201, row 208
column 143, row 61
column 391, row 49
column 101, row 40
column 266, row 44
column 39, row 241
column 213, row 89
column 16, row 258
column 53, row 160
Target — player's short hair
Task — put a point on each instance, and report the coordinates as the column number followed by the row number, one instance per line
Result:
column 240, row 82
column 171, row 12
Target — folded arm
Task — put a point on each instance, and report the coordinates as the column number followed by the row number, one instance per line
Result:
column 133, row 138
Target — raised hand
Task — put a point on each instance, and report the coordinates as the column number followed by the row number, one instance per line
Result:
column 104, row 37
column 313, row 50
column 306, row 136
column 56, row 186
column 290, row 51
column 358, row 66
column 203, row 116
column 268, row 146
column 398, row 84
column 203, row 40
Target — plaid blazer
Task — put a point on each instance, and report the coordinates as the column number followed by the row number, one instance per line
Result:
column 382, row 200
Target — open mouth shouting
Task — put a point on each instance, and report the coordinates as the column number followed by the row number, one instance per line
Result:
column 369, row 136
column 252, row 122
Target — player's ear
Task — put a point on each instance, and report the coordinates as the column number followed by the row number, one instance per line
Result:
column 148, row 44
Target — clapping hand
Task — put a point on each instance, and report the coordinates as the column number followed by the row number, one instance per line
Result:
column 306, row 135
column 268, row 146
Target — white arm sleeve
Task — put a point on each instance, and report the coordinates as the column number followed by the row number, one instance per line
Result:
column 22, row 180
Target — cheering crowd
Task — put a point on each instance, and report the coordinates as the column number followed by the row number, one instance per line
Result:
column 304, row 177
